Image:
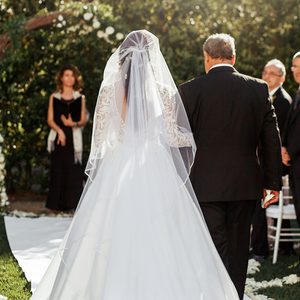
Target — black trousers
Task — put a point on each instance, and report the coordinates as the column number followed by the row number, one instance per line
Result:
column 229, row 225
column 259, row 235
column 295, row 187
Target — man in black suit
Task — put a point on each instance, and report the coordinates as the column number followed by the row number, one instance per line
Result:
column 291, row 139
column 230, row 114
column 274, row 74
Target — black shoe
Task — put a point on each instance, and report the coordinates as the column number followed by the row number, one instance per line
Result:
column 259, row 258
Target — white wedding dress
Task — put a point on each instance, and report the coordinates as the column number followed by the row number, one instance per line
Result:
column 138, row 233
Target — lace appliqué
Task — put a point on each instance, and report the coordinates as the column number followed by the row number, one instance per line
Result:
column 176, row 137
column 103, row 112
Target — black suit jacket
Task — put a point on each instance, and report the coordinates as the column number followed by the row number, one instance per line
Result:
column 230, row 114
column 291, row 135
column 282, row 103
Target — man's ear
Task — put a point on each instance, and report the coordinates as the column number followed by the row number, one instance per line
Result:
column 207, row 62
column 206, row 57
column 233, row 60
column 282, row 79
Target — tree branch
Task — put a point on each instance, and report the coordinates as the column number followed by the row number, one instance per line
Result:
column 32, row 24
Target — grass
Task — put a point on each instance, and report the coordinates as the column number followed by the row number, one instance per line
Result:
column 13, row 283
column 285, row 266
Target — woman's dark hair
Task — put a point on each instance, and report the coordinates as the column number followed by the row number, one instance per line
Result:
column 132, row 40
column 78, row 78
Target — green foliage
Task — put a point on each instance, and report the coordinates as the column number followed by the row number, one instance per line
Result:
column 263, row 30
column 27, row 80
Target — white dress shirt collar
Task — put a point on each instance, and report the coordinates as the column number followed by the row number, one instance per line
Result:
column 221, row 65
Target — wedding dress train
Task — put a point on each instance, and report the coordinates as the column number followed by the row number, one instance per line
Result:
column 138, row 233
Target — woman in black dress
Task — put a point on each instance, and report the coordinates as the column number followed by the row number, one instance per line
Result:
column 66, row 118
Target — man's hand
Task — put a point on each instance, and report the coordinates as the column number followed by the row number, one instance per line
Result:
column 269, row 198
column 285, row 157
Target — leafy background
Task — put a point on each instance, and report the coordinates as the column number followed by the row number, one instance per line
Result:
column 85, row 33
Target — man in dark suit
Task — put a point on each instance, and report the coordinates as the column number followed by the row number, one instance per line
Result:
column 274, row 74
column 230, row 114
column 291, row 139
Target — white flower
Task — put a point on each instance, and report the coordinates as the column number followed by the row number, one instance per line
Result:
column 1, row 139
column 291, row 279
column 22, row 214
column 3, row 297
column 73, row 28
column 87, row 29
column 259, row 297
column 10, row 11
column 119, row 36
column 253, row 266
column 1, row 158
column 109, row 30
column 60, row 18
column 96, row 24
column 101, row 34
column 87, row 16
column 3, row 196
column 59, row 25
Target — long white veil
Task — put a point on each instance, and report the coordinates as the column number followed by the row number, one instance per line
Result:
column 138, row 102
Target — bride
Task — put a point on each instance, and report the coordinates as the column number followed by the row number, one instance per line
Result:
column 138, row 232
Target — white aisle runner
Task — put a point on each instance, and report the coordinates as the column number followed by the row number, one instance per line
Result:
column 34, row 242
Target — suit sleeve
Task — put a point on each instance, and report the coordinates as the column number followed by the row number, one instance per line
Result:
column 282, row 112
column 285, row 128
column 185, row 100
column 270, row 146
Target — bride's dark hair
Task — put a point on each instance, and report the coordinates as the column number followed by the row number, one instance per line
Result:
column 138, row 40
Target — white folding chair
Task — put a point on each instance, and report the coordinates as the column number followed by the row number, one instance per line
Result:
column 280, row 212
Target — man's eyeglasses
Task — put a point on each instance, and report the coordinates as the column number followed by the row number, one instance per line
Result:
column 265, row 73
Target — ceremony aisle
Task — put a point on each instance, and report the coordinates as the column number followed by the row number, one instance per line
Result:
column 34, row 241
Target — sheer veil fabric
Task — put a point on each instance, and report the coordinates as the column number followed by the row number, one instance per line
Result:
column 138, row 232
